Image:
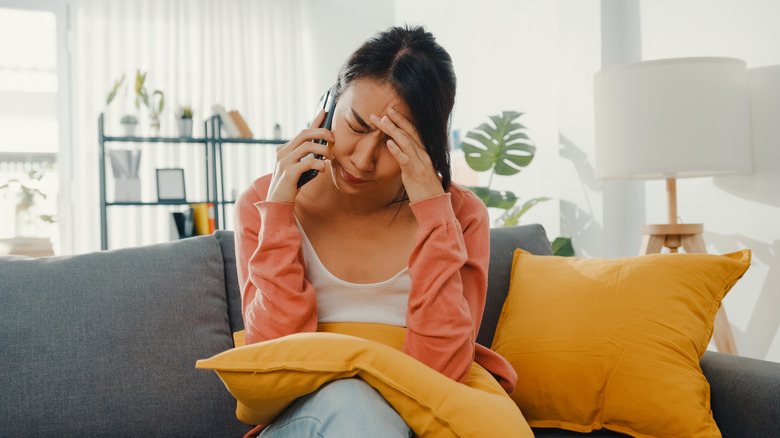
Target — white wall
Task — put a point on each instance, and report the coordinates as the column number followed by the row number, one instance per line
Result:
column 581, row 195
column 334, row 29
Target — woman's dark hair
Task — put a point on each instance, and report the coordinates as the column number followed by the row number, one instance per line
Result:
column 421, row 72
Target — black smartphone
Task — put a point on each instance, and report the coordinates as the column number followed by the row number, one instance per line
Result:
column 327, row 103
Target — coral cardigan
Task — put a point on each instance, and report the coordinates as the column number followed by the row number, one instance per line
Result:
column 448, row 269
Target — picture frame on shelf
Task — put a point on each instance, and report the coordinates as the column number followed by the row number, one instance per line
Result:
column 170, row 186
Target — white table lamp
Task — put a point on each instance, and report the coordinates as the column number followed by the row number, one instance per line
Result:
column 669, row 119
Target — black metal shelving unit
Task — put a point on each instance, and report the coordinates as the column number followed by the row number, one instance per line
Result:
column 213, row 178
column 214, row 135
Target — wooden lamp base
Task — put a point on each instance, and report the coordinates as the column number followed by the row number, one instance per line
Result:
column 689, row 237
column 672, row 236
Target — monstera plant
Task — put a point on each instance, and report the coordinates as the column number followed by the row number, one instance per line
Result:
column 502, row 147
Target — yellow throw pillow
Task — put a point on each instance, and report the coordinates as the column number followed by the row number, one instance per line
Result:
column 615, row 343
column 268, row 376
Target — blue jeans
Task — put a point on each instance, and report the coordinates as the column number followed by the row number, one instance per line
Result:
column 347, row 408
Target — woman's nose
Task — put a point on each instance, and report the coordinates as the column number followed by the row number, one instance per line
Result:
column 366, row 152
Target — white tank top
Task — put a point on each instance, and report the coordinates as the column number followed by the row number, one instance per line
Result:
column 341, row 301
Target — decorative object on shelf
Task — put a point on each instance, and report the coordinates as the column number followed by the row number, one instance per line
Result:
column 183, row 224
column 229, row 128
column 668, row 119
column 504, row 148
column 129, row 122
column 277, row 132
column 232, row 122
column 243, row 128
column 28, row 222
column 141, row 96
column 125, row 165
column 203, row 218
column 185, row 121
column 170, row 185
column 141, row 93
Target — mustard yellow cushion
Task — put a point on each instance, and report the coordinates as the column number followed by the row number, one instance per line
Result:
column 615, row 343
column 268, row 376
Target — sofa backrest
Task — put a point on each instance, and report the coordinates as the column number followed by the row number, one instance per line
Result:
column 232, row 289
column 105, row 344
column 503, row 242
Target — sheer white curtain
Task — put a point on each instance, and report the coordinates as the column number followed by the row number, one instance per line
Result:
column 243, row 54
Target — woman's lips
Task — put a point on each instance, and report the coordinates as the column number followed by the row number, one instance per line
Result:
column 351, row 179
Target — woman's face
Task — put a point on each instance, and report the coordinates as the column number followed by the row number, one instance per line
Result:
column 362, row 161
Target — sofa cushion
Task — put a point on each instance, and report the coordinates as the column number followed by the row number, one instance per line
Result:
column 615, row 343
column 267, row 377
column 103, row 344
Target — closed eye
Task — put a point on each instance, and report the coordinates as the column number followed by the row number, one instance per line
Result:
column 358, row 131
column 364, row 128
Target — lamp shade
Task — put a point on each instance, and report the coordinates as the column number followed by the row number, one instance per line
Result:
column 673, row 118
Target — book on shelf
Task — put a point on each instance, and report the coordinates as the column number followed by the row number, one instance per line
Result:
column 183, row 224
column 243, row 128
column 203, row 218
column 28, row 246
column 229, row 126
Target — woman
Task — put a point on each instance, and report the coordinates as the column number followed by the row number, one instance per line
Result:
column 380, row 235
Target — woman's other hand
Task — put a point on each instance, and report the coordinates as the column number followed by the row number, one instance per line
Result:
column 417, row 172
column 290, row 162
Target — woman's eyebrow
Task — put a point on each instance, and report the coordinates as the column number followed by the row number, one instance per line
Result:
column 360, row 119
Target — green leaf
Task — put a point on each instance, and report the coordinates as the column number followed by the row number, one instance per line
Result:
column 479, row 158
column 161, row 104
column 495, row 198
column 512, row 217
column 563, row 247
column 512, row 160
column 113, row 92
column 503, row 145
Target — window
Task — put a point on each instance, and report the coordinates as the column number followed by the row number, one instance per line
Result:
column 29, row 128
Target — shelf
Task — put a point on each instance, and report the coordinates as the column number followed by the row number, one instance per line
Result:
column 156, row 139
column 110, row 204
column 250, row 140
column 212, row 178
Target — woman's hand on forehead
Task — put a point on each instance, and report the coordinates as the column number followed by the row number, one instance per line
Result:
column 419, row 177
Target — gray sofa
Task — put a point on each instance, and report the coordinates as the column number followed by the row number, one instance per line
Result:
column 105, row 343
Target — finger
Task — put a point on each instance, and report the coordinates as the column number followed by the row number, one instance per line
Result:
column 407, row 143
column 309, row 134
column 397, row 153
column 387, row 126
column 318, row 119
column 305, row 149
column 402, row 122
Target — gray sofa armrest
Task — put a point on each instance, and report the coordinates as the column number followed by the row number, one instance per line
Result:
column 745, row 394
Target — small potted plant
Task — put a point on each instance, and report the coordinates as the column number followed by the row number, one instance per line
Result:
column 129, row 123
column 185, row 121
column 28, row 222
column 154, row 102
